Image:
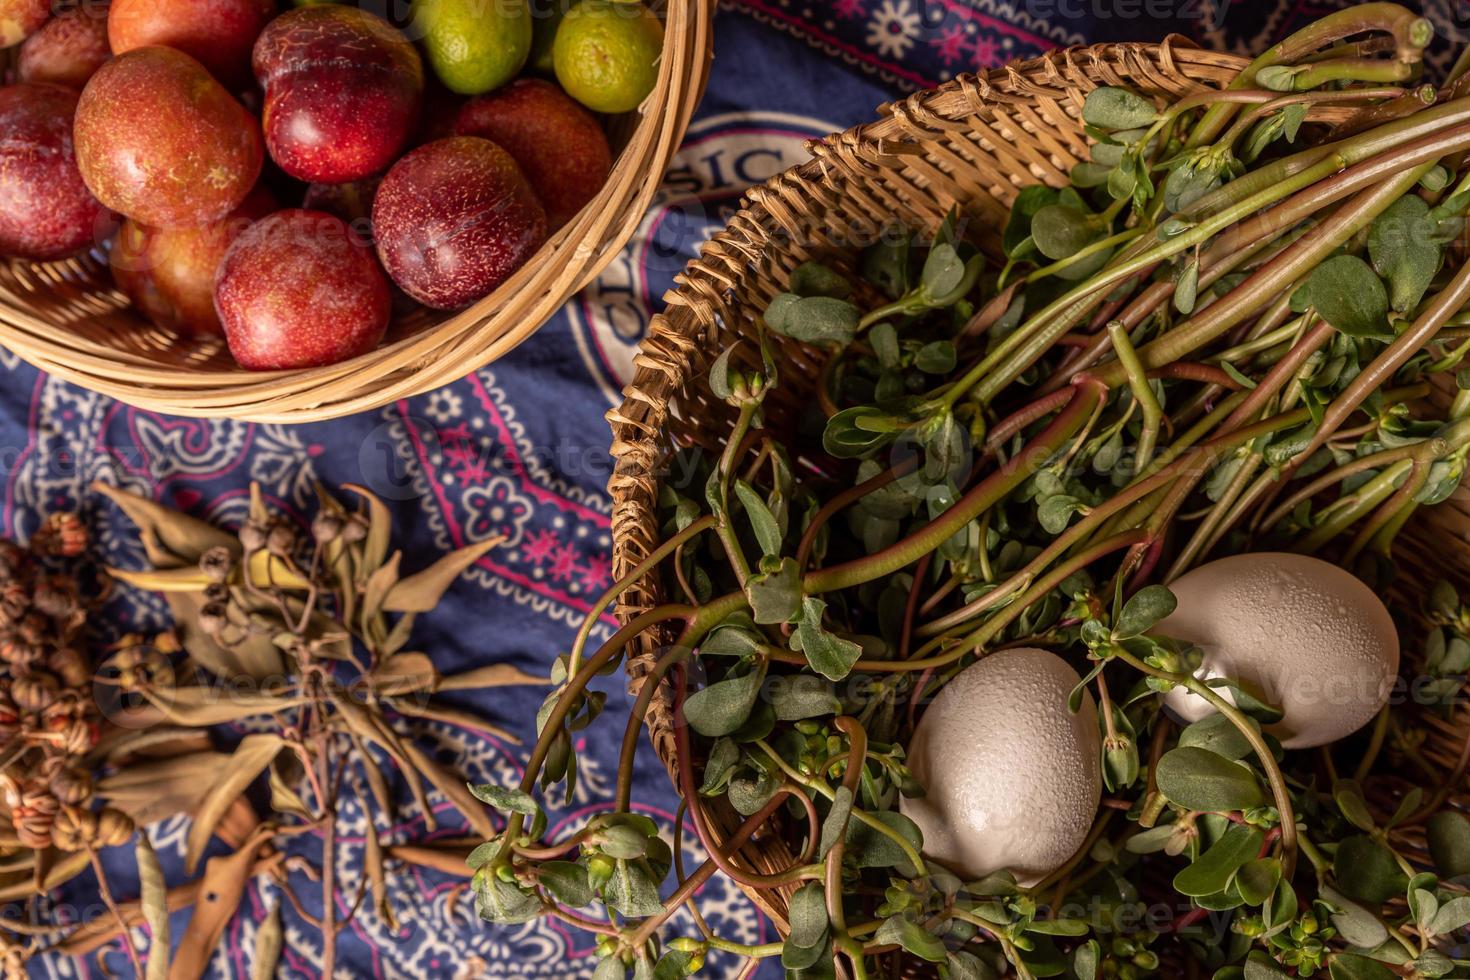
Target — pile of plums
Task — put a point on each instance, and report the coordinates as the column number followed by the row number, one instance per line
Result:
column 174, row 135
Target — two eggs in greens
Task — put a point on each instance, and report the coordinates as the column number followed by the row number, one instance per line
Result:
column 1012, row 776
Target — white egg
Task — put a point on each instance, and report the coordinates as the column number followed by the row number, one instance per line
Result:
column 1299, row 632
column 1012, row 777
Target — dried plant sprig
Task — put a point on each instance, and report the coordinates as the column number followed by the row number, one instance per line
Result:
column 1219, row 337
column 308, row 634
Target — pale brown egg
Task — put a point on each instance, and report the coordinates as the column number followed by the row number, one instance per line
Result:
column 1298, row 632
column 1011, row 775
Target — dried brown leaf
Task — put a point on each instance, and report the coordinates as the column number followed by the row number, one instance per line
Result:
column 169, row 537
column 454, row 789
column 405, row 672
column 453, row 716
column 64, row 869
column 249, row 760
column 493, row 675
column 421, row 592
column 268, row 942
column 378, row 876
column 379, row 585
column 380, row 530
column 153, row 898
column 203, row 706
column 152, row 791
column 285, row 770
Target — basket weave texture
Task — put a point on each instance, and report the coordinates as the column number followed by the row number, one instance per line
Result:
column 67, row 317
column 973, row 143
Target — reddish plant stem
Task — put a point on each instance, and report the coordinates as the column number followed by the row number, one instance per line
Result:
column 1088, row 395
column 690, row 792
column 845, row 499
column 685, row 892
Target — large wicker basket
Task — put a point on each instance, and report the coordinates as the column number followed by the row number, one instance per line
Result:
column 67, row 318
column 974, row 142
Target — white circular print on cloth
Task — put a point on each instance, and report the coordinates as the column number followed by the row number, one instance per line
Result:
column 722, row 157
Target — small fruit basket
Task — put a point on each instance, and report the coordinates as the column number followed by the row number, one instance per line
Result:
column 69, row 317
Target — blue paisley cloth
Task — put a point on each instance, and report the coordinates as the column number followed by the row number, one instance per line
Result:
column 519, row 448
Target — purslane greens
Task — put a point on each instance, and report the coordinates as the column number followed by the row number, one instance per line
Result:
column 1219, row 337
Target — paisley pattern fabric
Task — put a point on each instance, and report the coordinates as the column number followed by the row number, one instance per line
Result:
column 520, row 449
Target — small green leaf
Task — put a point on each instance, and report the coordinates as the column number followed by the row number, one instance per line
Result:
column 1349, row 799
column 723, row 707
column 1061, row 231
column 767, row 529
column 1448, row 833
column 502, row 902
column 1351, row 966
column 943, row 270
column 799, row 696
column 723, row 756
column 719, row 374
column 505, row 800
column 1117, row 108
column 1452, row 916
column 1292, row 118
column 1186, row 288
column 567, row 883
column 1031, row 199
column 1367, row 871
column 829, row 655
column 1260, row 966
column 1354, row 923
column 1055, row 512
column 901, row 931
column 1218, row 734
column 1198, row 779
column 936, row 358
column 1257, row 880
column 1213, row 870
column 870, row 848
column 809, row 925
column 779, row 309
column 818, row 320
column 775, row 597
column 1086, row 959
column 834, row 828
column 815, row 279
column 1347, row 294
column 1145, row 608
column 1403, row 252
column 632, row 890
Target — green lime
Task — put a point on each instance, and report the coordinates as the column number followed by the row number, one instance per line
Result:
column 606, row 54
column 474, row 46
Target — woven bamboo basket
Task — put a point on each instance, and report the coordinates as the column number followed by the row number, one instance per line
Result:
column 67, row 317
column 974, row 143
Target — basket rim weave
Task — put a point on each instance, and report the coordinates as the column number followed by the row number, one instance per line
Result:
column 682, row 340
column 435, row 355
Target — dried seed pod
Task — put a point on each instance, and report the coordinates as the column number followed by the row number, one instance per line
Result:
column 33, row 811
column 35, row 692
column 62, row 535
column 253, row 535
column 34, row 629
column 213, row 618
column 69, row 665
column 326, row 527
column 14, row 561
column 15, row 602
column 57, row 596
column 355, row 529
column 217, row 563
column 281, row 540
column 17, row 652
column 72, row 786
